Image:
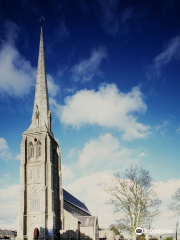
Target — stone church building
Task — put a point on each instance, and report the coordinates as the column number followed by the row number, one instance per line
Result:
column 47, row 211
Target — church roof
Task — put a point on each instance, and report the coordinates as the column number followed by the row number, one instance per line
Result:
column 6, row 232
column 2, row 232
column 74, row 201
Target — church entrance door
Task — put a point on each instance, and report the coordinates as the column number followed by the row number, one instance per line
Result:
column 36, row 233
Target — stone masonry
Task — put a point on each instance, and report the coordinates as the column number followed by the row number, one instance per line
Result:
column 40, row 170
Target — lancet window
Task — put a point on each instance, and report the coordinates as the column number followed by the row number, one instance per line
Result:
column 87, row 223
column 38, row 149
column 31, row 150
column 55, row 159
column 68, row 225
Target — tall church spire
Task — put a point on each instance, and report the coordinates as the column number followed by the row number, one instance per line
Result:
column 41, row 201
column 41, row 113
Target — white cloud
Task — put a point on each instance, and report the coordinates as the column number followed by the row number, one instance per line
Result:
column 4, row 179
column 3, row 145
column 143, row 155
column 127, row 14
column 73, row 152
column 55, row 107
column 52, row 87
column 178, row 130
column 9, row 202
column 162, row 128
column 17, row 74
column 18, row 157
column 100, row 154
column 62, row 32
column 171, row 185
column 163, row 125
column 106, row 107
column 170, row 53
column 12, row 32
column 5, row 152
column 117, row 20
column 164, row 191
column 105, row 153
column 109, row 16
column 67, row 173
column 87, row 190
column 87, row 69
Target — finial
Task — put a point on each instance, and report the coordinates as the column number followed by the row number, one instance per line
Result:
column 41, row 19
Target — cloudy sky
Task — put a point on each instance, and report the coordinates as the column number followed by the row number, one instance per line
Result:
column 113, row 78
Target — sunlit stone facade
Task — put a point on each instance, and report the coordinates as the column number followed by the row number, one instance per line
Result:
column 40, row 170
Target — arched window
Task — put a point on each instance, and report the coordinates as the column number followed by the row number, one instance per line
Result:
column 68, row 225
column 55, row 159
column 31, row 150
column 38, row 149
column 34, row 201
column 87, row 222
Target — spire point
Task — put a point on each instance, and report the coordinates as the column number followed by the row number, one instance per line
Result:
column 41, row 118
column 41, row 20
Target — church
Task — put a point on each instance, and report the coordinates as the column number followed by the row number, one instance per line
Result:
column 46, row 210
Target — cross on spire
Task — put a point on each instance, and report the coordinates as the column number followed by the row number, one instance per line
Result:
column 41, row 19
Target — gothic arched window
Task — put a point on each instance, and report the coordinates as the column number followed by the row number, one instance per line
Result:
column 55, row 159
column 30, row 150
column 38, row 149
column 68, row 225
column 34, row 201
column 87, row 223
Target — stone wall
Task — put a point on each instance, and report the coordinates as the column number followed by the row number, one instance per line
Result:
column 71, row 228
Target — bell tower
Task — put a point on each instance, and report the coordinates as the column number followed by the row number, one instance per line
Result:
column 40, row 170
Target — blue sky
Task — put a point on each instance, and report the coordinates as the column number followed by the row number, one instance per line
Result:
column 113, row 79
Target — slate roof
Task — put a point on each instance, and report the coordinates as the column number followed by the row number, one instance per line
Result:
column 74, row 201
column 2, row 232
column 6, row 232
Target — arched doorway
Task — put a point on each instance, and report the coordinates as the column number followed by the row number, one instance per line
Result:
column 36, row 233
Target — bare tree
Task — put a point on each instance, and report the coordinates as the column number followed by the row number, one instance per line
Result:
column 175, row 205
column 115, row 229
column 134, row 198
